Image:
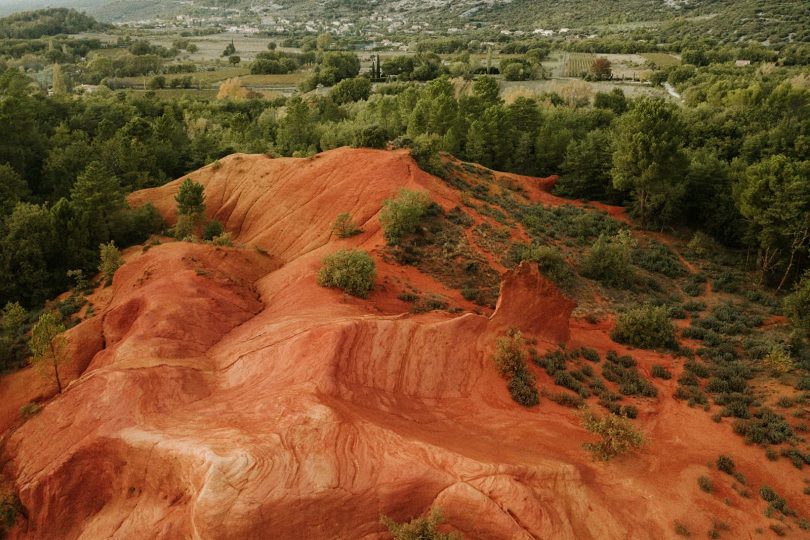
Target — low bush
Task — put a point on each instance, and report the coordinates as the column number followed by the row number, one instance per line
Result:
column 212, row 229
column 705, row 484
column 419, row 528
column 660, row 372
column 566, row 399
column 618, row 436
column 778, row 360
column 344, row 227
column 695, row 285
column 725, row 464
column 590, row 354
column 223, row 239
column 774, row 500
column 401, row 216
column 510, row 359
column 609, row 260
column 353, row 271
column 646, row 327
column 550, row 262
column 681, row 529
column 29, row 410
column 660, row 259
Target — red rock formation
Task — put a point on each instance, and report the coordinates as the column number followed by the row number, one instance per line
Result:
column 532, row 304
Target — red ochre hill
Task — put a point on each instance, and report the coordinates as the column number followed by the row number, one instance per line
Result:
column 221, row 393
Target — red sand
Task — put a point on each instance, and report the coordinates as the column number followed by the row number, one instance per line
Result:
column 221, row 393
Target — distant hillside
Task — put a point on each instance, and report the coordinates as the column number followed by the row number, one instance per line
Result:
column 769, row 21
column 46, row 22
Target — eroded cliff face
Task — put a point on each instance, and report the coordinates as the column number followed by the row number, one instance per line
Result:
column 221, row 393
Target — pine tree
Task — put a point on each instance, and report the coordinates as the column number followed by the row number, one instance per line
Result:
column 49, row 345
column 97, row 196
column 649, row 162
column 190, row 199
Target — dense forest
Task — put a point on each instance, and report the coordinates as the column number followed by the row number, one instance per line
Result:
column 733, row 162
column 47, row 22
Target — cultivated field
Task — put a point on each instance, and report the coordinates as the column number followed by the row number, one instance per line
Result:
column 511, row 90
column 575, row 64
column 662, row 60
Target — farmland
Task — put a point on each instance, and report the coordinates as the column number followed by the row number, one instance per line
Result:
column 575, row 64
column 661, row 60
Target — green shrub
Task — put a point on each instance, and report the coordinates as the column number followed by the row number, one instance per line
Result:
column 608, row 260
column 184, row 228
column 10, row 508
column 766, row 427
column 222, row 239
column 618, row 436
column 344, row 227
column 646, row 327
column 550, row 262
column 705, row 484
column 797, row 305
column 111, row 260
column 725, row 464
column 510, row 359
column 401, row 216
column 778, row 360
column 661, row 372
column 589, row 354
column 694, row 306
column 695, row 285
column 774, row 500
column 212, row 229
column 566, row 399
column 419, row 528
column 353, row 271
column 681, row 529
column 660, row 259
column 30, row 409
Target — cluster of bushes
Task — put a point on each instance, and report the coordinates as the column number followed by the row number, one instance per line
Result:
column 647, row 327
column 660, row 372
column 344, row 226
column 510, row 359
column 331, row 68
column 689, row 390
column 725, row 319
column 775, row 502
column 766, row 427
column 567, row 221
column 279, row 63
column 420, row 67
column 657, row 257
column 622, row 371
column 585, row 382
